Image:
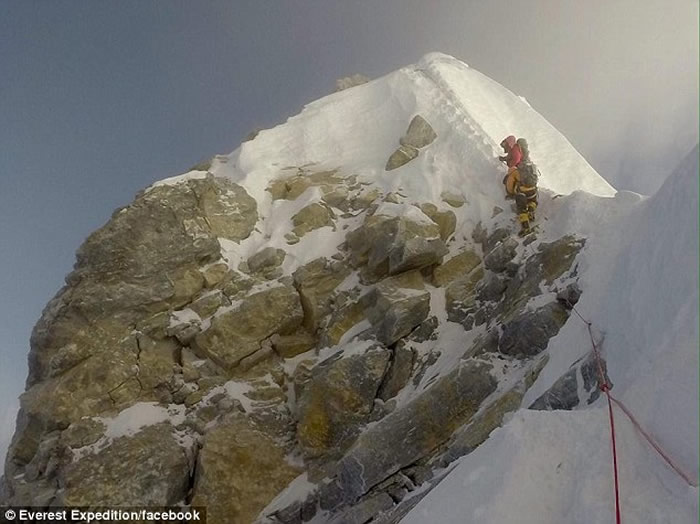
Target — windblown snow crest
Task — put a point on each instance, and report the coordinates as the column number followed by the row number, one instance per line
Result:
column 318, row 326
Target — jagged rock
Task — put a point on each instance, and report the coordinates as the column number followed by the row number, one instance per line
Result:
column 497, row 259
column 341, row 321
column 569, row 295
column 489, row 242
column 456, row 267
column 157, row 466
column 229, row 210
column 337, row 400
column 266, row 260
column 394, row 244
column 460, row 296
column 446, row 220
column 236, row 334
column 316, row 282
column 93, row 386
column 312, row 217
column 291, row 188
column 425, row 330
column 364, row 199
column 564, row 393
column 399, row 372
column 156, row 360
column 410, row 433
column 478, row 430
column 403, row 155
column 214, row 274
column 419, row 134
column 145, row 260
column 453, row 199
column 492, row 287
column 240, row 470
column 396, row 305
column 83, row 432
column 548, row 264
column 338, row 198
column 350, row 81
column 365, row 510
column 529, row 333
column 289, row 346
column 207, row 305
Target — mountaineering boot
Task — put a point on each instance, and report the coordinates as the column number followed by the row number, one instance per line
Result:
column 531, row 206
column 524, row 219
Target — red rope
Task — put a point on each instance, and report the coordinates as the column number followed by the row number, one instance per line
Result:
column 605, row 386
column 654, row 444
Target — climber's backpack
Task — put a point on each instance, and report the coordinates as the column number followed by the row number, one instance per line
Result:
column 524, row 149
column 528, row 174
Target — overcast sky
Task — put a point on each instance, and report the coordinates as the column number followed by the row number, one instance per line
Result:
column 99, row 99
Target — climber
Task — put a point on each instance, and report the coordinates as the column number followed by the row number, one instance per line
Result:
column 513, row 156
column 526, row 188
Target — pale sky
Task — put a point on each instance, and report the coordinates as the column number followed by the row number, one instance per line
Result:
column 100, row 99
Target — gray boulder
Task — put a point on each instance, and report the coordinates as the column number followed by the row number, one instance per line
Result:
column 157, row 466
column 391, row 245
column 235, row 334
column 528, row 334
column 410, row 433
column 396, row 305
column 338, row 400
column 419, row 133
column 564, row 393
column 497, row 259
column 399, row 371
column 402, row 156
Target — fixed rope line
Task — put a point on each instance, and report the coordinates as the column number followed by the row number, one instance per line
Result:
column 605, row 386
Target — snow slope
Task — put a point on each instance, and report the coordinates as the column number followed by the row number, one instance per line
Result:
column 354, row 131
column 552, row 467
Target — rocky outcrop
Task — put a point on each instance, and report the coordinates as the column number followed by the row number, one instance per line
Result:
column 405, row 436
column 397, row 305
column 338, row 399
column 235, row 334
column 240, row 470
column 584, row 377
column 418, row 135
column 388, row 245
column 350, row 81
column 340, row 372
column 156, row 464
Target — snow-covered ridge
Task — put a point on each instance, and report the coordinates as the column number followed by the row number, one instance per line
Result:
column 358, row 128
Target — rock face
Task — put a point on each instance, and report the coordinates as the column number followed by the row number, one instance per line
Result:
column 390, row 245
column 407, row 435
column 338, row 398
column 280, row 381
column 239, row 471
column 156, row 465
column 235, row 334
column 396, row 305
column 418, row 135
